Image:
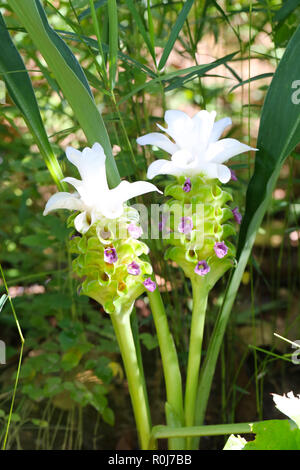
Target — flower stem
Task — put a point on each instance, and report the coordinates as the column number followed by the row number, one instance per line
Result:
column 200, row 294
column 137, row 390
column 174, row 405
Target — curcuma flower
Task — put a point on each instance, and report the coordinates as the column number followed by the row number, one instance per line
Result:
column 108, row 250
column 93, row 198
column 196, row 149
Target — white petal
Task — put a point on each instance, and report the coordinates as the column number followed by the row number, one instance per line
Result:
column 92, row 167
column 224, row 174
column 77, row 184
column 289, row 405
column 218, row 128
column 183, row 159
column 180, row 126
column 203, row 126
column 215, row 171
column 64, row 200
column 125, row 190
column 222, row 150
column 74, row 156
column 159, row 140
column 163, row 167
column 81, row 224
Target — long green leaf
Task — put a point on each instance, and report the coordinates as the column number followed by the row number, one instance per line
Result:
column 69, row 76
column 113, row 40
column 189, row 73
column 279, row 133
column 141, row 27
column 19, row 86
column 174, row 33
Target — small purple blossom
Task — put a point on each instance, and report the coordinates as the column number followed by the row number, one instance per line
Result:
column 134, row 230
column 237, row 216
column 233, row 175
column 186, row 225
column 202, row 268
column 187, row 185
column 134, row 268
column 221, row 249
column 110, row 255
column 149, row 284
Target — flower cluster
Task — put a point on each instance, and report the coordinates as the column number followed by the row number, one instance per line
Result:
column 110, row 262
column 197, row 162
column 106, row 233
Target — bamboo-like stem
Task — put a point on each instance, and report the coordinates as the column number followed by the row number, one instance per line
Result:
column 172, row 375
column 137, row 389
column 200, row 294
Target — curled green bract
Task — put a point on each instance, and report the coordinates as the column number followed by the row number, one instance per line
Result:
column 198, row 239
column 109, row 261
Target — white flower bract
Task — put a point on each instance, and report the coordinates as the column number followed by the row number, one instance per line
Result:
column 92, row 197
column 196, row 148
column 289, row 405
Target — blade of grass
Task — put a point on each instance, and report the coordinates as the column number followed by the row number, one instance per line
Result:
column 175, row 32
column 139, row 22
column 113, row 41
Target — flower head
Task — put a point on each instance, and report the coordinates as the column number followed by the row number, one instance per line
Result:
column 134, row 230
column 92, row 197
column 202, row 268
column 289, row 405
column 196, row 148
column 134, row 268
column 149, row 284
column 187, row 185
column 221, row 249
column 237, row 216
column 185, row 225
column 110, row 255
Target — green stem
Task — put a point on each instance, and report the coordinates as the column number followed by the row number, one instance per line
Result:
column 200, row 294
column 121, row 324
column 164, row 432
column 174, row 406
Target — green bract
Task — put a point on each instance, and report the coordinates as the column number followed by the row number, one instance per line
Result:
column 110, row 284
column 205, row 204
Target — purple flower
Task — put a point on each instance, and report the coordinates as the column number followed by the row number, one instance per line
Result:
column 149, row 284
column 237, row 216
column 187, row 185
column 162, row 224
column 233, row 175
column 185, row 225
column 202, row 268
column 221, row 249
column 110, row 255
column 134, row 230
column 134, row 268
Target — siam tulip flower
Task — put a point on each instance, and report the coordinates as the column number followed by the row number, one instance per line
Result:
column 202, row 268
column 186, row 225
column 233, row 175
column 221, row 249
column 149, row 284
column 187, row 186
column 289, row 405
column 196, row 149
column 134, row 268
column 237, row 216
column 93, row 198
